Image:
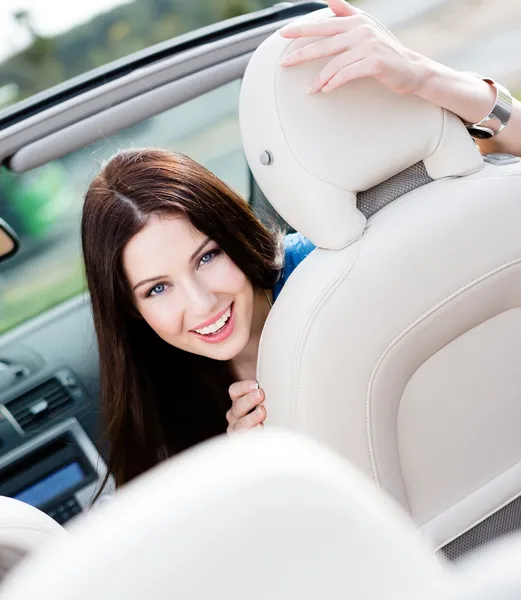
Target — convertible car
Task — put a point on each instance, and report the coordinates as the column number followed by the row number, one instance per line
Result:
column 394, row 349
column 181, row 94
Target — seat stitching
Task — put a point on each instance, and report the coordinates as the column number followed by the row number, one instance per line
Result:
column 398, row 338
column 310, row 318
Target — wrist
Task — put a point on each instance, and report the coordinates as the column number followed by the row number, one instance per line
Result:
column 426, row 73
column 464, row 94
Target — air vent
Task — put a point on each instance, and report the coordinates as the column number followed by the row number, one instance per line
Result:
column 36, row 407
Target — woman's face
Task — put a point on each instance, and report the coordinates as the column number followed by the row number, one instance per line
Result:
column 188, row 290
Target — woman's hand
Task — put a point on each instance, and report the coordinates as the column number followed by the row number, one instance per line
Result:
column 245, row 396
column 359, row 47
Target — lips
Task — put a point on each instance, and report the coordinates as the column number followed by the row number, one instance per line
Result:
column 216, row 325
column 221, row 333
column 211, row 320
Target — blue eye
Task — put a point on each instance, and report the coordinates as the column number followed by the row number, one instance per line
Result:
column 208, row 257
column 158, row 289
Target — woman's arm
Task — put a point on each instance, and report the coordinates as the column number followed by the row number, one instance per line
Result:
column 471, row 99
column 360, row 48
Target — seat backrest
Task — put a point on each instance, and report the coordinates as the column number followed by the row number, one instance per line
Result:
column 398, row 340
column 23, row 530
column 260, row 516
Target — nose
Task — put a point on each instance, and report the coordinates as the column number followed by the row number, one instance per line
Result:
column 200, row 300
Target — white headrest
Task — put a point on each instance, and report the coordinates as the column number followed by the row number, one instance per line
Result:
column 327, row 147
column 261, row 515
column 23, row 529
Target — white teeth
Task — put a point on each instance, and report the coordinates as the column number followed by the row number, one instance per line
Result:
column 219, row 324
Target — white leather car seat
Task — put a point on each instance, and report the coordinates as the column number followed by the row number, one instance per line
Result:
column 398, row 340
column 266, row 515
column 253, row 516
column 23, row 530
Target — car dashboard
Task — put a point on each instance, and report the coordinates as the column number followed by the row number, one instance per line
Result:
column 49, row 431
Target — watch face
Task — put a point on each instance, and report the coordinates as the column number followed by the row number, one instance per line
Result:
column 480, row 133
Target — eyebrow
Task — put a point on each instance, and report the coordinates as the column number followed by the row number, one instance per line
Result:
column 157, row 277
column 205, row 243
column 149, row 280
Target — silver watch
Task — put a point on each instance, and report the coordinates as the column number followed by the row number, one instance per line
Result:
column 501, row 112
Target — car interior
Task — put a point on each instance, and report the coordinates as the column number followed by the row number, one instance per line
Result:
column 395, row 342
column 182, row 94
column 296, row 513
column 393, row 345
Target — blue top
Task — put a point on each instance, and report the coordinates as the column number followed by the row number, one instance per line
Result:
column 296, row 248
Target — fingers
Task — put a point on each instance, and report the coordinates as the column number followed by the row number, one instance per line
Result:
column 364, row 36
column 324, row 27
column 241, row 388
column 335, row 65
column 242, row 406
column 362, row 43
column 362, row 68
column 341, row 8
column 250, row 421
column 359, row 47
column 327, row 47
column 246, row 411
column 360, row 37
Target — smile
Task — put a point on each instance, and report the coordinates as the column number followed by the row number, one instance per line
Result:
column 218, row 330
column 215, row 326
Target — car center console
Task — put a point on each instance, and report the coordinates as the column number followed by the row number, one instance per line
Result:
column 47, row 459
column 58, row 471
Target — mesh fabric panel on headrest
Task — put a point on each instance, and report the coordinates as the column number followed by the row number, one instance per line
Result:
column 381, row 195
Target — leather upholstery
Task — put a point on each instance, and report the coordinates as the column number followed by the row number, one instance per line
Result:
column 398, row 341
column 331, row 146
column 23, row 530
column 263, row 515
column 259, row 516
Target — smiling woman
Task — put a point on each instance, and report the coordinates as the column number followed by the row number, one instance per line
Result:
column 44, row 204
column 201, row 300
column 180, row 273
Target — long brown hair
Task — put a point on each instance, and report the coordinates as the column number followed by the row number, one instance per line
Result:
column 156, row 399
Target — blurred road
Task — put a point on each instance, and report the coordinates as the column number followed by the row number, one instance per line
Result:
column 402, row 13
column 471, row 35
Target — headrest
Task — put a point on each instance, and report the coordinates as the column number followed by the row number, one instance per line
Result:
column 312, row 154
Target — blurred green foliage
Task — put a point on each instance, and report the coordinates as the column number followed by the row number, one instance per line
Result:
column 48, row 61
column 63, row 280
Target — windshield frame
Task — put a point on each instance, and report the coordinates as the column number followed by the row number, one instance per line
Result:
column 119, row 68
